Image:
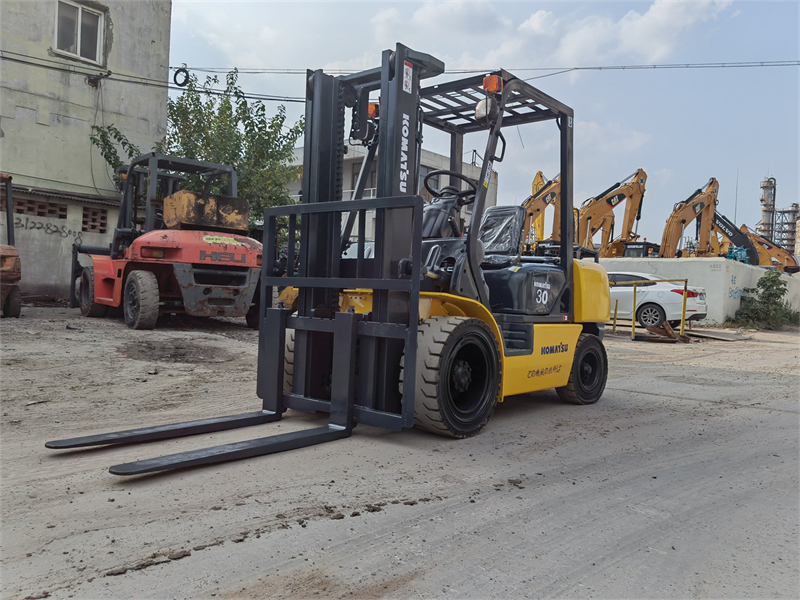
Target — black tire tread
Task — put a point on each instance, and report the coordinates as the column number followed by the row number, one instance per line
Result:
column 147, row 285
column 432, row 336
column 288, row 362
column 93, row 309
column 12, row 307
column 568, row 393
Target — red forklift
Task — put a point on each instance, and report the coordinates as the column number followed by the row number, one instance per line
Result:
column 174, row 250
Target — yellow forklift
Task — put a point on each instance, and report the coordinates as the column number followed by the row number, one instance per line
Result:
column 403, row 318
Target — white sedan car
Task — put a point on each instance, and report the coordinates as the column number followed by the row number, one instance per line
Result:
column 656, row 301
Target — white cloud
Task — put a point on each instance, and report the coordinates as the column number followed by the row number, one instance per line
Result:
column 541, row 23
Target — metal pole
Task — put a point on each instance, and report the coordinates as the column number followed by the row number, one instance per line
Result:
column 633, row 316
column 9, row 211
column 683, row 309
column 616, row 305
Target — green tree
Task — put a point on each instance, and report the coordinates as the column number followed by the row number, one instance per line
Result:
column 225, row 128
column 106, row 139
column 763, row 307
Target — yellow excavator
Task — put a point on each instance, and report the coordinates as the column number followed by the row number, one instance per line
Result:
column 770, row 254
column 544, row 193
column 630, row 190
column 700, row 205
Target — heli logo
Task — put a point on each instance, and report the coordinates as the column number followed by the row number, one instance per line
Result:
column 698, row 207
column 404, row 154
column 557, row 349
column 222, row 257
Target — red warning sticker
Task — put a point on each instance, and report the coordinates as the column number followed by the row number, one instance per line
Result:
column 408, row 70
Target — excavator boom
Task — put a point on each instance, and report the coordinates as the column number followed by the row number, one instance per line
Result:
column 702, row 204
column 597, row 214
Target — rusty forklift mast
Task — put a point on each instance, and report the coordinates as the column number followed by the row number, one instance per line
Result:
column 357, row 322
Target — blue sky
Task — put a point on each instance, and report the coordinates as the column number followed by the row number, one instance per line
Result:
column 682, row 126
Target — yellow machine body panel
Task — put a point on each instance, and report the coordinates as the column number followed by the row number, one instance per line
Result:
column 553, row 343
column 592, row 299
column 548, row 366
column 191, row 210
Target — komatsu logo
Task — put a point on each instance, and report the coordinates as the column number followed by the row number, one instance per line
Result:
column 557, row 349
column 404, row 154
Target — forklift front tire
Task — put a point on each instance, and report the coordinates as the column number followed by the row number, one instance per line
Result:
column 13, row 304
column 89, row 308
column 458, row 376
column 140, row 300
column 589, row 373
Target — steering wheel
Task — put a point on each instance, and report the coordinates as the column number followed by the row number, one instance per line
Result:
column 462, row 195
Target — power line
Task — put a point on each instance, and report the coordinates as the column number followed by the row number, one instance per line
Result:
column 557, row 70
column 133, row 79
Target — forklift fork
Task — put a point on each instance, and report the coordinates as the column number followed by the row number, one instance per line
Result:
column 339, row 426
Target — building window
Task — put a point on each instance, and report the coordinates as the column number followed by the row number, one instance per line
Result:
column 95, row 220
column 37, row 208
column 79, row 31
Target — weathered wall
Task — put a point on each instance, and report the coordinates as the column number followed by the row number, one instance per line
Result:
column 48, row 108
column 45, row 247
column 723, row 279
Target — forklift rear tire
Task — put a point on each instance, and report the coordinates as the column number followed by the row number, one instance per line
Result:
column 589, row 373
column 13, row 304
column 288, row 362
column 141, row 300
column 89, row 308
column 458, row 376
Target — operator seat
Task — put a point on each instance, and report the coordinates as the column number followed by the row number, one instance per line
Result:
column 501, row 236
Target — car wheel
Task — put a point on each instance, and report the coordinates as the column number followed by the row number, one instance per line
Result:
column 651, row 315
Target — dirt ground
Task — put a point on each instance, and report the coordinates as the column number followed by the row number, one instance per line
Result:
column 681, row 482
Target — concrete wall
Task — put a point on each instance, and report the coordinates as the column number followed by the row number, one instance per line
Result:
column 724, row 280
column 48, row 106
column 45, row 246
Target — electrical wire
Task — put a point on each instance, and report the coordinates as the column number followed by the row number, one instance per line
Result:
column 714, row 65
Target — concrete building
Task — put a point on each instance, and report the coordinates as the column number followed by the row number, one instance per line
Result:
column 429, row 161
column 67, row 66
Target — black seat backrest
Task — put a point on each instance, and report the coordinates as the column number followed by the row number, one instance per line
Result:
column 501, row 235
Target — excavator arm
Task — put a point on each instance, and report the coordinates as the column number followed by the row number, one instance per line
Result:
column 702, row 204
column 596, row 214
column 770, row 254
column 544, row 193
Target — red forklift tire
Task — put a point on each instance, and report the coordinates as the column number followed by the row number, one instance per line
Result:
column 140, row 300
column 13, row 304
column 89, row 308
column 458, row 379
column 587, row 378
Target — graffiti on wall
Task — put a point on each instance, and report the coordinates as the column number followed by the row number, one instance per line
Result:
column 44, row 228
column 734, row 291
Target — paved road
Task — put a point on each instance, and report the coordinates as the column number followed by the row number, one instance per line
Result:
column 681, row 482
